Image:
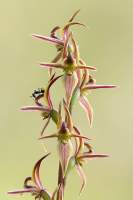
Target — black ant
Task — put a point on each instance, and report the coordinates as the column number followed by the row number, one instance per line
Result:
column 38, row 93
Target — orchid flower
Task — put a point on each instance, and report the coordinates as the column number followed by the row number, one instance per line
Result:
column 86, row 83
column 59, row 42
column 36, row 189
column 47, row 111
column 64, row 135
column 79, row 157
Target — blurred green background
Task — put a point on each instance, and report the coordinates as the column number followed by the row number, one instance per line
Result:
column 108, row 44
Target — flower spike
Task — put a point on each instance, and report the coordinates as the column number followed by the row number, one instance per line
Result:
column 73, row 147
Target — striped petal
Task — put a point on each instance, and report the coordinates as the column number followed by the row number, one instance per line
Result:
column 87, row 107
column 70, row 84
column 65, row 152
column 47, row 92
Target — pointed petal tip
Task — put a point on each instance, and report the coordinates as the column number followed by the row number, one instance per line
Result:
column 21, row 191
column 100, row 86
column 93, row 155
column 48, row 39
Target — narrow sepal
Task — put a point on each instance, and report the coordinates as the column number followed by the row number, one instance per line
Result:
column 96, row 86
column 48, row 136
column 86, row 67
column 35, row 108
column 92, row 155
column 49, row 39
column 52, row 65
column 21, row 191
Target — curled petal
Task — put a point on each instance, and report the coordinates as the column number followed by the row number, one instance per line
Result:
column 87, row 107
column 86, row 67
column 53, row 32
column 47, row 93
column 82, row 176
column 65, row 30
column 96, row 86
column 21, row 191
column 89, row 147
column 36, row 174
column 49, row 39
column 27, row 180
column 74, row 15
column 35, row 108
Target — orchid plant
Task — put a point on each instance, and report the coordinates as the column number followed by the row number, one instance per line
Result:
column 73, row 147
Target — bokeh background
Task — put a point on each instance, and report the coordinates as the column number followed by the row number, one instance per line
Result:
column 108, row 44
